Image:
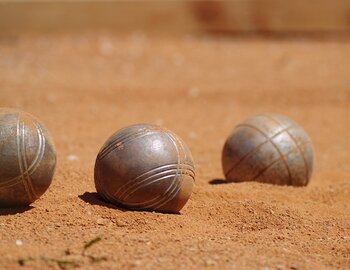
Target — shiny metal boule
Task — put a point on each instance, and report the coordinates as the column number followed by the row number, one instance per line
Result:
column 268, row 148
column 145, row 167
column 27, row 158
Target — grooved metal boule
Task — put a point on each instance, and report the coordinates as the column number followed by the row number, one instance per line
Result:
column 27, row 158
column 268, row 148
column 145, row 167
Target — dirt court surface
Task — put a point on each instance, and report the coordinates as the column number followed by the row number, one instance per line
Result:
column 84, row 87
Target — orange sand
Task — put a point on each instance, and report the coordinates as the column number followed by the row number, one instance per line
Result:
column 84, row 87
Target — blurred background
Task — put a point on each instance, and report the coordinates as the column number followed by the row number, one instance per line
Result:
column 176, row 16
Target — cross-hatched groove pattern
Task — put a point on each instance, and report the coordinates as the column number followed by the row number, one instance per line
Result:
column 274, row 162
column 123, row 139
column 25, row 171
column 256, row 149
column 35, row 163
column 296, row 143
column 276, row 148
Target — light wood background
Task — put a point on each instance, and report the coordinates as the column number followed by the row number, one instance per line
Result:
column 176, row 16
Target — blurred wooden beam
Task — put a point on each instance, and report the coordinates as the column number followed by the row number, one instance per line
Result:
column 77, row 15
column 303, row 16
column 176, row 16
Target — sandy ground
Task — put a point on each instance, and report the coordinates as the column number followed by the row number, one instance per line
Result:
column 84, row 87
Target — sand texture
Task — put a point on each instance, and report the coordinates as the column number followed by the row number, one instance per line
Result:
column 85, row 87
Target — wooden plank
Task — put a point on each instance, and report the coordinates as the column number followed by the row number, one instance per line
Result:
column 31, row 16
column 281, row 16
column 275, row 15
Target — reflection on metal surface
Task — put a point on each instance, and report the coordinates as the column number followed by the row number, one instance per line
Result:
column 145, row 167
column 268, row 148
column 27, row 158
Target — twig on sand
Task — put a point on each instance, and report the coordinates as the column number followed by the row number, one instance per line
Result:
column 69, row 259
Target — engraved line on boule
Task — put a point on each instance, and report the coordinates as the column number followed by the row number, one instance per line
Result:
column 159, row 199
column 272, row 163
column 297, row 145
column 121, row 143
column 139, row 184
column 153, row 171
column 115, row 143
column 171, row 191
column 184, row 152
column 181, row 152
column 270, row 117
column 122, row 139
column 25, row 165
column 41, row 150
column 160, row 168
column 136, row 179
column 37, row 159
column 150, row 180
column 149, row 173
column 40, row 153
column 169, row 194
column 146, row 205
column 177, row 184
column 31, row 168
column 153, row 200
column 276, row 148
column 256, row 149
column 172, row 187
column 19, row 154
column 302, row 155
column 120, row 135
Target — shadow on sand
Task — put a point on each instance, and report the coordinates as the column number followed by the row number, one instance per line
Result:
column 94, row 198
column 218, row 182
column 14, row 210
